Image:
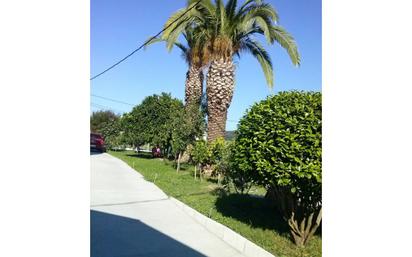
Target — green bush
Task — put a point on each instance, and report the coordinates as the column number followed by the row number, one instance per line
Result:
column 224, row 165
column 279, row 144
column 212, row 156
column 220, row 160
column 217, row 156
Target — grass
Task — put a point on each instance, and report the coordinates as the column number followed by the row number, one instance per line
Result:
column 249, row 215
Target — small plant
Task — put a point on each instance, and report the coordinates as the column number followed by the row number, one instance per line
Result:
column 200, row 156
column 217, row 157
column 218, row 161
column 233, row 176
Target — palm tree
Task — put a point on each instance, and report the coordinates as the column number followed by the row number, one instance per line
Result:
column 227, row 31
column 192, row 54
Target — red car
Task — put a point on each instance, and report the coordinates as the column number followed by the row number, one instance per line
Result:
column 97, row 142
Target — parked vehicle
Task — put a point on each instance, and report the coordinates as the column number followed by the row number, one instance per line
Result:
column 97, row 142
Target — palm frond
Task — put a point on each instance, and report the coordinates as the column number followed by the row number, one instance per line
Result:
column 183, row 48
column 246, row 25
column 221, row 13
column 151, row 41
column 174, row 34
column 180, row 17
column 247, row 3
column 262, row 10
column 172, row 19
column 286, row 40
column 263, row 57
column 205, row 4
column 260, row 17
column 231, row 8
column 265, row 27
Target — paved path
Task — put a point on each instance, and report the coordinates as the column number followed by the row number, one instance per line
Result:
column 132, row 217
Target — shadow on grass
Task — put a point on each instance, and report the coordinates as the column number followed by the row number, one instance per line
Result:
column 191, row 194
column 211, row 179
column 141, row 155
column 185, row 166
column 167, row 162
column 257, row 212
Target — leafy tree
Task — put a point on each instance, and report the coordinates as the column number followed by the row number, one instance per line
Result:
column 152, row 121
column 225, row 31
column 279, row 144
column 99, row 118
column 188, row 125
column 112, row 133
column 132, row 127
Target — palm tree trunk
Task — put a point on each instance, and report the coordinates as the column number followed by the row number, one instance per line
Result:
column 193, row 86
column 220, row 88
column 193, row 92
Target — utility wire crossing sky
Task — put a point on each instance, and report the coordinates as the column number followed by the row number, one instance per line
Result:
column 145, row 43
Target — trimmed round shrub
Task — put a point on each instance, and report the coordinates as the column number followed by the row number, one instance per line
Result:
column 279, row 144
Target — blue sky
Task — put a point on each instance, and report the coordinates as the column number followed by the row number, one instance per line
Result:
column 118, row 27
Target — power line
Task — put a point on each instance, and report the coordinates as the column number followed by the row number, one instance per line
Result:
column 100, row 106
column 145, row 43
column 113, row 100
column 104, row 107
column 118, row 101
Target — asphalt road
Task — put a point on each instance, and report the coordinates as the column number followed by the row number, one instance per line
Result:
column 132, row 217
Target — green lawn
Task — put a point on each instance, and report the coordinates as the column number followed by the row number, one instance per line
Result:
column 249, row 215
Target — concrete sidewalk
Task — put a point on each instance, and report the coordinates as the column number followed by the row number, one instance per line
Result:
column 132, row 217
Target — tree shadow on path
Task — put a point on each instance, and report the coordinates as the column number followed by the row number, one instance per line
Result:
column 114, row 236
